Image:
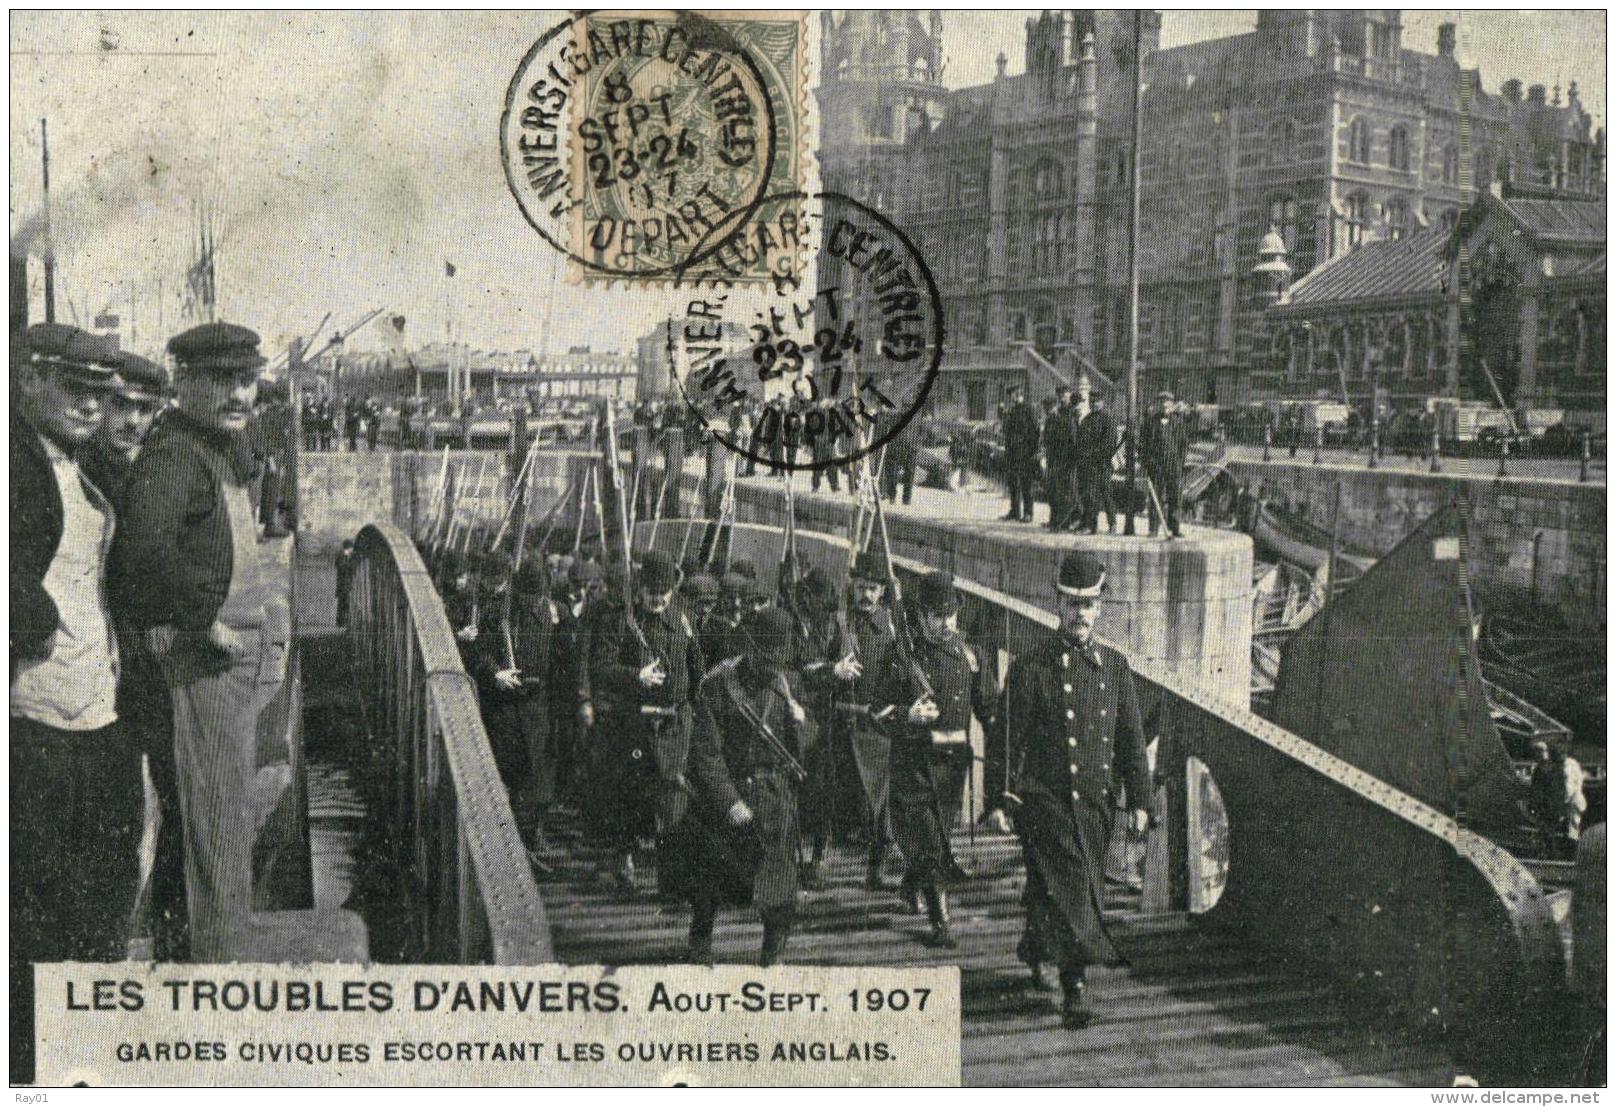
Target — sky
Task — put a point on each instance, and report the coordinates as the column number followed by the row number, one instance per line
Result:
column 348, row 156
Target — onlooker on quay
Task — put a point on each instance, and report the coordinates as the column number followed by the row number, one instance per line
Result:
column 186, row 568
column 75, row 777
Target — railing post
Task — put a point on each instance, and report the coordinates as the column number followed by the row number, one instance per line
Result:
column 1582, row 476
column 1267, row 442
column 1318, row 444
column 1503, row 457
column 1436, row 450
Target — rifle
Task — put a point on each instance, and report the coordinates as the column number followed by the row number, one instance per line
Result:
column 583, row 508
column 621, row 507
column 516, row 488
column 510, row 585
column 900, row 620
column 764, row 732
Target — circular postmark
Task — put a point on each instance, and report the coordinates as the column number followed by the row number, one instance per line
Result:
column 840, row 345
column 627, row 138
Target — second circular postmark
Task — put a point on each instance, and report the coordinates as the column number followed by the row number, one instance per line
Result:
column 628, row 137
column 828, row 360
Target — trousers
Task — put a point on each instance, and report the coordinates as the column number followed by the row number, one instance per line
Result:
column 75, row 830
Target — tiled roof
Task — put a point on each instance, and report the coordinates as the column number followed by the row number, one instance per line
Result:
column 1562, row 220
column 1413, row 266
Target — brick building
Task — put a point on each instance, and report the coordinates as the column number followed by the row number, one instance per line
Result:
column 1320, row 124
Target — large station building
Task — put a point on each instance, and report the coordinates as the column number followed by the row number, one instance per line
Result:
column 1323, row 126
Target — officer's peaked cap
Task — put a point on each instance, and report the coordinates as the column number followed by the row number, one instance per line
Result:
column 57, row 345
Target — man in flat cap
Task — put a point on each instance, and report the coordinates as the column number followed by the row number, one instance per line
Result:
column 645, row 665
column 739, row 844
column 1163, row 446
column 1071, row 731
column 929, row 694
column 186, row 569
column 140, row 392
column 75, row 774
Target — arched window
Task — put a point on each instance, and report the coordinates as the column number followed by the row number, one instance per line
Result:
column 1397, row 220
column 1357, row 218
column 1358, row 141
column 1450, row 165
column 1397, row 154
column 1283, row 215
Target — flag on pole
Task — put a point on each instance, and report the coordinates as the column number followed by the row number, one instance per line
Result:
column 448, row 268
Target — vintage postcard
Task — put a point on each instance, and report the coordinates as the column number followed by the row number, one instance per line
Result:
column 808, row 548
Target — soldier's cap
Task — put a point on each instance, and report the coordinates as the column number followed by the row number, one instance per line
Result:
column 586, row 572
column 744, row 567
column 733, row 584
column 216, row 348
column 88, row 356
column 934, row 593
column 529, row 578
column 1081, row 575
column 870, row 565
column 1165, row 394
column 816, row 586
column 140, row 378
column 560, row 563
column 700, row 586
column 657, row 573
column 690, row 567
column 770, row 635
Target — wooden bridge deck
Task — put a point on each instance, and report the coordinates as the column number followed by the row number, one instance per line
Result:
column 1193, row 1008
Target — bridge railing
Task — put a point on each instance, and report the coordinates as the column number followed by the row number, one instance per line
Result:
column 1327, row 867
column 468, row 886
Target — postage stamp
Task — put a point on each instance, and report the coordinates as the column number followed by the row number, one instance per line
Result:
column 845, row 347
column 628, row 138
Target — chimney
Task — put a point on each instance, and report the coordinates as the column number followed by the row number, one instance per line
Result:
column 1512, row 90
column 1537, row 94
column 1447, row 38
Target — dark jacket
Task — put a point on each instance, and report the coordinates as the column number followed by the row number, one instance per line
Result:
column 1021, row 432
column 36, row 531
column 173, row 554
column 1097, row 440
column 1162, row 445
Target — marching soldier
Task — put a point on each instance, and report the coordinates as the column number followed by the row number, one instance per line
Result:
column 740, row 843
column 571, row 711
column 930, row 696
column 645, row 665
column 720, row 630
column 826, row 662
column 873, row 635
column 700, row 594
column 1071, row 726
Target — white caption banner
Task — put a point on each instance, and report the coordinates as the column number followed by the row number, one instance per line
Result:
column 492, row 1025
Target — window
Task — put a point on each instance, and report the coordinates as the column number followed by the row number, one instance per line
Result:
column 1281, row 142
column 1380, row 40
column 1282, row 215
column 1450, row 165
column 1358, row 141
column 1169, row 324
column 1357, row 218
column 1018, row 327
column 1397, row 154
column 1046, row 180
column 1397, row 221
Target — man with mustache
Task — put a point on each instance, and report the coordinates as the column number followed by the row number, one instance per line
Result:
column 139, row 394
column 185, row 568
column 75, row 775
column 1071, row 726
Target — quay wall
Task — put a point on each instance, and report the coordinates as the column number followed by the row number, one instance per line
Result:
column 1544, row 538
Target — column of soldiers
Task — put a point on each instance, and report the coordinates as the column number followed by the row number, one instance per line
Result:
column 137, row 635
column 732, row 734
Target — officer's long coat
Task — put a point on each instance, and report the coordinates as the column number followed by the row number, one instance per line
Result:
column 1071, row 728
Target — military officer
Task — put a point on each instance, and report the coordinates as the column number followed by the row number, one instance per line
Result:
column 929, row 697
column 645, row 665
column 1071, row 728
column 740, row 843
column 873, row 634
